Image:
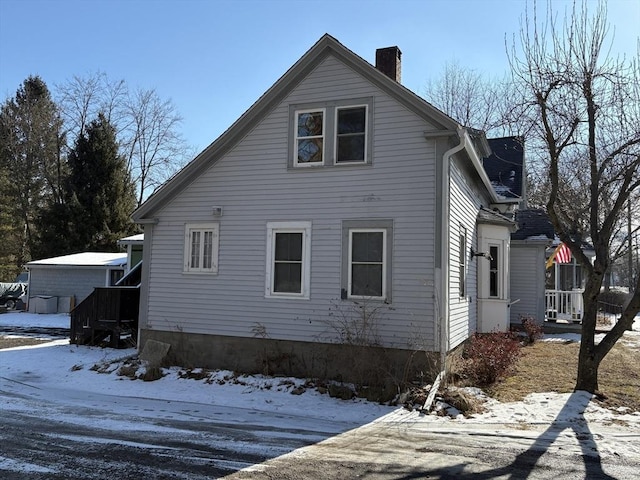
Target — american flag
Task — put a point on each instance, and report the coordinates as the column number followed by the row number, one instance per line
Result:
column 563, row 254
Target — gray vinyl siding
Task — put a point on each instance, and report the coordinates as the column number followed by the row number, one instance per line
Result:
column 527, row 281
column 65, row 282
column 464, row 206
column 254, row 186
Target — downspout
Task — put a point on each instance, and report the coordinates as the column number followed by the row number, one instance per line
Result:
column 443, row 304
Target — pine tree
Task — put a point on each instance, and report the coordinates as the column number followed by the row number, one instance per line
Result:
column 32, row 168
column 101, row 195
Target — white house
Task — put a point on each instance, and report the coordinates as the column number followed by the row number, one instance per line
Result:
column 339, row 199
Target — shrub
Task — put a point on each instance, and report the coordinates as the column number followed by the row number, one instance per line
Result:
column 532, row 329
column 613, row 301
column 489, row 356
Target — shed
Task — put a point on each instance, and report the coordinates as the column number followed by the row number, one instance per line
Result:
column 71, row 278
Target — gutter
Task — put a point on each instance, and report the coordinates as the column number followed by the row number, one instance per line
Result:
column 443, row 310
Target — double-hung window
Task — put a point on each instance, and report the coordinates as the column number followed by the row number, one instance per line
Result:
column 351, row 134
column 288, row 259
column 201, row 248
column 309, row 137
column 329, row 134
column 367, row 259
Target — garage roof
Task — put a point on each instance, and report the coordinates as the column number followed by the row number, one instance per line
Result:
column 85, row 259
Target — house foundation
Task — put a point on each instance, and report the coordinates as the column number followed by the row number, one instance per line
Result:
column 361, row 365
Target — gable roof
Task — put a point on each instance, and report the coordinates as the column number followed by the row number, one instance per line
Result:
column 327, row 45
column 533, row 223
column 505, row 166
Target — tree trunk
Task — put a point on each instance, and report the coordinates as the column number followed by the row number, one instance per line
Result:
column 589, row 358
column 588, row 364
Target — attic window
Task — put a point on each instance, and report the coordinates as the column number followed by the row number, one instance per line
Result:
column 332, row 133
column 351, row 134
column 309, row 137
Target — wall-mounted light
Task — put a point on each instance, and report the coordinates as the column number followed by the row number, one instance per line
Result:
column 216, row 211
column 486, row 255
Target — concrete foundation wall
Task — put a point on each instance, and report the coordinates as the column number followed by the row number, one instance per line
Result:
column 348, row 363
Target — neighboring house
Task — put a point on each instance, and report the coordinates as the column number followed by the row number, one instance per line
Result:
column 543, row 288
column 58, row 284
column 339, row 198
column 529, row 246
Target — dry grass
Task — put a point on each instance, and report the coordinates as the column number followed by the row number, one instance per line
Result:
column 552, row 367
column 10, row 342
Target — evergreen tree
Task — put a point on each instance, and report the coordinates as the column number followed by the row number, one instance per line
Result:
column 32, row 168
column 101, row 195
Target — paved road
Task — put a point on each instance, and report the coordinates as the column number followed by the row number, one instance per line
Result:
column 397, row 451
column 87, row 436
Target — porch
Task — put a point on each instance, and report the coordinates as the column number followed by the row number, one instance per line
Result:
column 564, row 305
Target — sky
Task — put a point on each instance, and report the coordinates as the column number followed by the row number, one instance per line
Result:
column 61, row 373
column 214, row 58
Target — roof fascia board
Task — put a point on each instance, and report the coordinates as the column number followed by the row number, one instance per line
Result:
column 67, row 266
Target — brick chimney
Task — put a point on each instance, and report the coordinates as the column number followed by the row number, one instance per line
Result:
column 388, row 62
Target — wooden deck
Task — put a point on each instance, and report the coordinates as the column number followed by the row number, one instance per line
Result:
column 109, row 316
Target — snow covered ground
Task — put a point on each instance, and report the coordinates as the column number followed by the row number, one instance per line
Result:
column 565, row 422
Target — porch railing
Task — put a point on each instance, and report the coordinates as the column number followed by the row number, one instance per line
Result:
column 564, row 305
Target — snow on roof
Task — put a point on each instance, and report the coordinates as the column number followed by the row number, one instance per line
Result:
column 133, row 238
column 84, row 259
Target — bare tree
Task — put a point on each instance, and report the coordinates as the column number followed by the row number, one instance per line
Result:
column 147, row 127
column 152, row 145
column 584, row 106
column 82, row 99
column 474, row 100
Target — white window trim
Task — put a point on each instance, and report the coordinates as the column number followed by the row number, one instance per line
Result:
column 296, row 138
column 191, row 227
column 288, row 227
column 384, row 263
column 334, row 134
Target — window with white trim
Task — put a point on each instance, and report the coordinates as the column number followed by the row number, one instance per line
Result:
column 367, row 259
column 201, row 247
column 309, row 137
column 331, row 133
column 351, row 134
column 366, row 263
column 288, row 259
